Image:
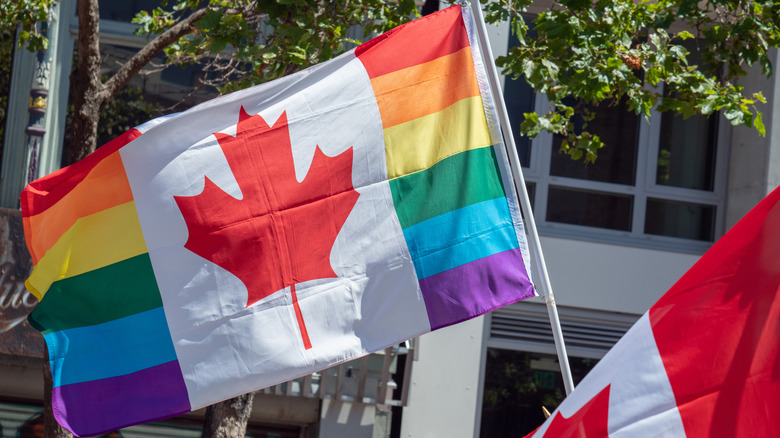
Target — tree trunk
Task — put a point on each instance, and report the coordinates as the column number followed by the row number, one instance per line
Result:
column 86, row 89
column 82, row 133
column 51, row 429
column 228, row 419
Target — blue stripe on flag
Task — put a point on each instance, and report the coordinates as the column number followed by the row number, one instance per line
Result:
column 461, row 236
column 114, row 348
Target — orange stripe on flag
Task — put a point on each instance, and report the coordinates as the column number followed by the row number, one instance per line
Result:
column 105, row 186
column 426, row 88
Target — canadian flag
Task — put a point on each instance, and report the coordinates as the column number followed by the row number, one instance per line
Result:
column 703, row 361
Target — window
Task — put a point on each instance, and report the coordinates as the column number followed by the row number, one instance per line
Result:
column 522, row 372
column 517, row 385
column 659, row 184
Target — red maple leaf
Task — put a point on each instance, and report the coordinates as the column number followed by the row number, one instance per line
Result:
column 281, row 231
column 590, row 420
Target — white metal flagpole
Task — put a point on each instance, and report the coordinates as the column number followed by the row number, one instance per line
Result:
column 525, row 202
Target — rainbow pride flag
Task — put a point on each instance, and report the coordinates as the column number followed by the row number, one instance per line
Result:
column 448, row 194
column 276, row 231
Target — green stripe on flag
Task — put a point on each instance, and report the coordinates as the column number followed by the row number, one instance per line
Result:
column 458, row 181
column 105, row 294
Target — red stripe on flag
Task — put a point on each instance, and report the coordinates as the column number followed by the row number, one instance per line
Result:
column 41, row 194
column 299, row 317
column 718, row 332
column 432, row 36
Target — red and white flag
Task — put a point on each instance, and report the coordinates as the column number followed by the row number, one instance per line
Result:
column 703, row 361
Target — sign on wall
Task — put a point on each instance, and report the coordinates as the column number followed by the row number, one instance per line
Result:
column 17, row 337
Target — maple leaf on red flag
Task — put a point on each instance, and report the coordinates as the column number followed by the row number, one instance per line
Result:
column 589, row 421
column 281, row 231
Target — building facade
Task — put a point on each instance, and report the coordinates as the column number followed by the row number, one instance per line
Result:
column 615, row 235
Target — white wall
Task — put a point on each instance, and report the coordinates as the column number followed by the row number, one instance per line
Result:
column 445, row 380
column 611, row 277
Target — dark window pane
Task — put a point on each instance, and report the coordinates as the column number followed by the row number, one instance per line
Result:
column 680, row 219
column 618, row 128
column 686, row 154
column 531, row 189
column 125, row 10
column 517, row 385
column 520, row 98
column 183, row 76
column 593, row 209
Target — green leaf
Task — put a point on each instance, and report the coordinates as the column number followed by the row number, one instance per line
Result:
column 758, row 122
column 529, row 68
column 530, row 125
column 210, row 20
column 550, row 66
column 685, row 35
column 217, row 46
column 735, row 116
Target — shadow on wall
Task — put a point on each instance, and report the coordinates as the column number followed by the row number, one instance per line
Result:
column 347, row 419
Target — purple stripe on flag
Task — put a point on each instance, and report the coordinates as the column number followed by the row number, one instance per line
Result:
column 108, row 404
column 475, row 288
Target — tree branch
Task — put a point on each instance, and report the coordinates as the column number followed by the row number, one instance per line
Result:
column 146, row 54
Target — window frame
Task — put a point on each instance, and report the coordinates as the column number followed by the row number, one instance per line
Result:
column 648, row 144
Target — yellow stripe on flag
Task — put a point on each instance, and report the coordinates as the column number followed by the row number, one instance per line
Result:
column 424, row 89
column 106, row 186
column 93, row 242
column 423, row 142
